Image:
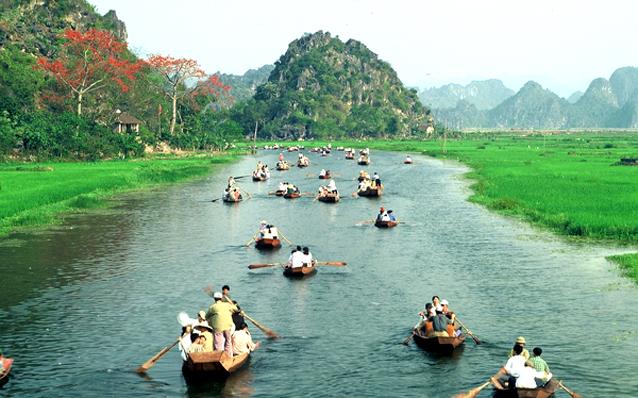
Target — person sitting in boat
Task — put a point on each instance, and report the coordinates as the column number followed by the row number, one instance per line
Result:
column 408, row 159
column 282, row 187
column 1, row 363
column 243, row 341
column 201, row 319
column 219, row 316
column 451, row 315
column 391, row 215
column 322, row 173
column 198, row 343
column 238, row 318
column 207, row 332
column 297, row 258
column 538, row 362
column 440, row 323
column 376, row 180
column 424, row 325
column 532, row 378
column 291, row 188
column 292, row 252
column 263, row 228
column 520, row 341
column 307, row 259
column 185, row 341
column 281, row 156
column 512, row 369
column 381, row 213
column 332, row 186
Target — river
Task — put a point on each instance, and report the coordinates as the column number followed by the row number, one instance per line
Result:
column 85, row 303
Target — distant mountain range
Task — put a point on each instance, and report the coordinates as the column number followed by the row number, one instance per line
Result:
column 606, row 103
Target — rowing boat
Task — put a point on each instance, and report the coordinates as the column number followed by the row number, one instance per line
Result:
column 267, row 244
column 299, row 272
column 385, row 224
column 212, row 366
column 326, row 176
column 364, row 161
column 329, row 197
column 407, row 161
column 230, row 199
column 371, row 192
column 283, row 166
column 439, row 344
column 7, row 363
column 350, row 155
column 260, row 178
column 293, row 195
column 280, row 193
column 545, row 391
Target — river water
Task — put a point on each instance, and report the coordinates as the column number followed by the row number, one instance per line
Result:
column 82, row 305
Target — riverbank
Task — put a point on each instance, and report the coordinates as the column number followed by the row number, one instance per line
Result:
column 570, row 183
column 37, row 194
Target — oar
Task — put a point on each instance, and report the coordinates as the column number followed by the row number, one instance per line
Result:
column 473, row 392
column 215, row 200
column 268, row 332
column 286, row 239
column 149, row 364
column 407, row 340
column 238, row 177
column 332, row 263
column 366, row 222
column 476, row 340
column 255, row 266
column 250, row 242
column 568, row 391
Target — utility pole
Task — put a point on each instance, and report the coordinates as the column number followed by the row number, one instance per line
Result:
column 255, row 138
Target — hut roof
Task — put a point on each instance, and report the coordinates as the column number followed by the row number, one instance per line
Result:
column 127, row 118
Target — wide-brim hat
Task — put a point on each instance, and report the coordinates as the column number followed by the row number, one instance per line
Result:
column 520, row 340
column 203, row 325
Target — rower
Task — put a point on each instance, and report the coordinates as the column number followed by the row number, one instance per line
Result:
column 408, row 159
column 513, row 368
column 376, row 179
column 531, row 378
column 440, row 323
column 391, row 216
column 520, row 341
column 231, row 181
column 307, row 259
column 281, row 156
column 332, row 186
column 322, row 173
column 263, row 226
column 296, row 259
column 243, row 341
column 381, row 213
column 283, row 186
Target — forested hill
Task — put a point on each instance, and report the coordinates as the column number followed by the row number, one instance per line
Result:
column 34, row 26
column 243, row 87
column 323, row 87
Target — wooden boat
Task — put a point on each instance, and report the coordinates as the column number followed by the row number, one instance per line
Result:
column 364, row 161
column 293, row 195
column 329, row 198
column 283, row 165
column 212, row 366
column 407, row 161
column 299, row 272
column 302, row 164
column 349, row 155
column 385, row 224
column 267, row 244
column 438, row 344
column 230, row 199
column 259, row 178
column 8, row 362
column 545, row 391
column 371, row 192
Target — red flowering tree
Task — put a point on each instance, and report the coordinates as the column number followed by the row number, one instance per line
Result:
column 214, row 91
column 176, row 73
column 91, row 61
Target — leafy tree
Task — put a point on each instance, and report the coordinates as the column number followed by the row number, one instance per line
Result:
column 19, row 81
column 91, row 61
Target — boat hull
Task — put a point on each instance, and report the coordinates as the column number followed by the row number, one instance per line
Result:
column 300, row 272
column 212, row 366
column 232, row 200
column 8, row 363
column 293, row 195
column 385, row 224
column 444, row 345
column 371, row 192
column 329, row 198
column 546, row 391
column 267, row 244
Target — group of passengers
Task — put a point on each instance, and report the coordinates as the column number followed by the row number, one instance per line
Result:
column 520, row 370
column 365, row 181
column 261, row 171
column 437, row 320
column 287, row 188
column 331, row 188
column 221, row 328
column 300, row 258
column 385, row 216
column 267, row 231
column 303, row 160
column 232, row 190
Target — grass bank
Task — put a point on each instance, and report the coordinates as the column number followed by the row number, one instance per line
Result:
column 569, row 183
column 35, row 194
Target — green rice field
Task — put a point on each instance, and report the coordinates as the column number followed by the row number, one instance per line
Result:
column 35, row 194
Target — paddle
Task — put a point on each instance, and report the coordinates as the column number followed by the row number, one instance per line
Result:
column 332, row 263
column 238, row 177
column 286, row 239
column 407, row 340
column 473, row 392
column 252, row 240
column 149, row 364
column 268, row 332
column 476, row 340
column 255, row 266
column 568, row 391
column 215, row 200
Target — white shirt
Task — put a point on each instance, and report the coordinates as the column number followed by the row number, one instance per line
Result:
column 526, row 378
column 184, row 345
column 332, row 185
column 273, row 233
column 242, row 342
column 322, row 172
column 307, row 259
column 297, row 259
column 515, row 365
column 282, row 187
column 385, row 217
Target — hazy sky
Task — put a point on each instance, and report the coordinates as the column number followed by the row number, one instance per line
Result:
column 562, row 44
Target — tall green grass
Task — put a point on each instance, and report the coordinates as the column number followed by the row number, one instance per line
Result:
column 628, row 263
column 35, row 194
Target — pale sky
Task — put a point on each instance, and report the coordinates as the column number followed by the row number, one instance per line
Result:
column 561, row 44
